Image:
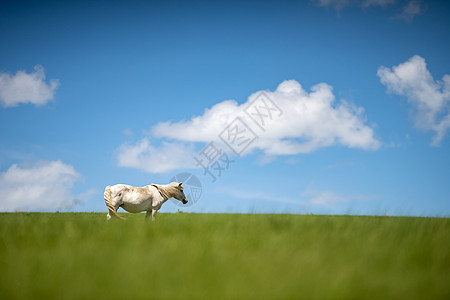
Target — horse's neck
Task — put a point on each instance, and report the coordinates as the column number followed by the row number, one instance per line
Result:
column 159, row 202
column 166, row 192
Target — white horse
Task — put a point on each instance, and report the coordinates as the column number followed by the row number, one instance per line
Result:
column 133, row 199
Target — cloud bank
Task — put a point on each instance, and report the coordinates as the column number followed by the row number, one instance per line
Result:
column 310, row 121
column 305, row 123
column 409, row 10
column 26, row 88
column 152, row 159
column 44, row 186
column 429, row 99
column 326, row 198
column 340, row 4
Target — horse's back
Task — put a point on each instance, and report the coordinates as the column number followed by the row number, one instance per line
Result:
column 131, row 198
column 119, row 187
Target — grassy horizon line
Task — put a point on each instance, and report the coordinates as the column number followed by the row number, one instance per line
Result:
column 78, row 255
column 233, row 213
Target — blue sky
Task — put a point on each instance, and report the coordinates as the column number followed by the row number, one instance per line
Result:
column 93, row 94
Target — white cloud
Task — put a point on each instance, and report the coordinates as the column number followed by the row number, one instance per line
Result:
column 412, row 9
column 382, row 3
column 43, row 186
column 324, row 198
column 254, row 195
column 165, row 158
column 128, row 132
column 329, row 199
column 26, row 88
column 429, row 99
column 309, row 121
column 340, row 4
column 336, row 4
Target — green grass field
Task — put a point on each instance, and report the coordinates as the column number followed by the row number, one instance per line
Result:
column 223, row 256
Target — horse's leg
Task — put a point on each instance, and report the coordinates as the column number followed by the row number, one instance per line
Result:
column 108, row 217
column 154, row 214
column 147, row 215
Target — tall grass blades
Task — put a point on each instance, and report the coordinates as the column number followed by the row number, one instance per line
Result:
column 223, row 256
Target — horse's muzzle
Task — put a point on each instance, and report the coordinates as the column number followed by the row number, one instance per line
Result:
column 184, row 201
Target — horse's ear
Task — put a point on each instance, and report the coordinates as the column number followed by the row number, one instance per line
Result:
column 180, row 184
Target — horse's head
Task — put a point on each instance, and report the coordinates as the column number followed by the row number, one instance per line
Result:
column 180, row 196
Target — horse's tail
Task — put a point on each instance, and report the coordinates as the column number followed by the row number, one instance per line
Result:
column 112, row 210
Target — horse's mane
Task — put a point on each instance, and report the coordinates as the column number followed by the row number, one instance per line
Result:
column 167, row 190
